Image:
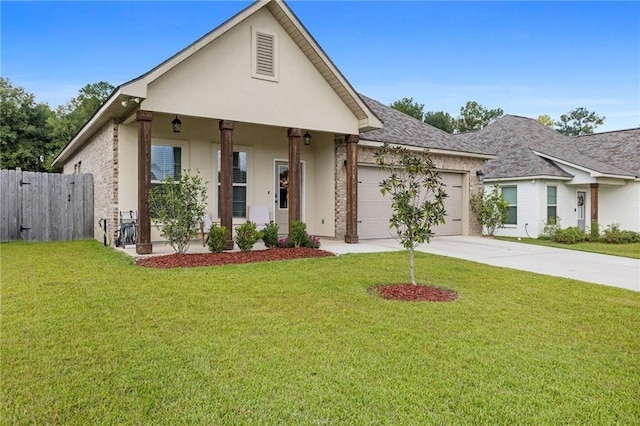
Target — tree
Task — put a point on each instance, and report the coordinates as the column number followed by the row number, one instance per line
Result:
column 25, row 133
column 491, row 209
column 579, row 121
column 71, row 116
column 546, row 120
column 178, row 207
column 440, row 119
column 409, row 107
column 417, row 196
column 474, row 116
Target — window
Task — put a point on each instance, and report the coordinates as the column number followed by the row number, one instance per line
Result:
column 239, row 184
column 510, row 195
column 166, row 161
column 552, row 205
column 264, row 55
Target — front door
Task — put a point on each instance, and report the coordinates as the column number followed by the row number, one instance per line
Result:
column 282, row 196
column 581, row 205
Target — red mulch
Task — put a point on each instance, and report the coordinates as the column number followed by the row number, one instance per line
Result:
column 416, row 293
column 230, row 258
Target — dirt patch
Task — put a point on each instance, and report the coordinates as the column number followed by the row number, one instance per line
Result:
column 230, row 258
column 415, row 293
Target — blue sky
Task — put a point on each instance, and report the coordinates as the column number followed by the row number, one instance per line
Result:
column 528, row 58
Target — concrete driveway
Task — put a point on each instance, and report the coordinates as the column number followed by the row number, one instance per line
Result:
column 603, row 269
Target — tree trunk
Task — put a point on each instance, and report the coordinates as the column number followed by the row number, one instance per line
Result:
column 411, row 267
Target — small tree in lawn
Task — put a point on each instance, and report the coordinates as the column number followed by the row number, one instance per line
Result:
column 417, row 196
column 177, row 207
column 491, row 209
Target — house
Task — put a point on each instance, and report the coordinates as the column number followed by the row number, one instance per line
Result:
column 236, row 106
column 546, row 176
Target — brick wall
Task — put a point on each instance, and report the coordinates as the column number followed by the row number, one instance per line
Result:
column 99, row 156
column 366, row 156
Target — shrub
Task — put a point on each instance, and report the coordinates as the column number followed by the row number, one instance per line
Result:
column 247, row 235
column 550, row 229
column 299, row 237
column 570, row 235
column 491, row 209
column 177, row 207
column 270, row 235
column 594, row 232
column 217, row 238
column 614, row 235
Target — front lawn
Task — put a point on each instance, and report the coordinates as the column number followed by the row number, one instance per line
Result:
column 631, row 250
column 87, row 337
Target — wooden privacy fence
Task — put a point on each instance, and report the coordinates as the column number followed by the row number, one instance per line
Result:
column 45, row 206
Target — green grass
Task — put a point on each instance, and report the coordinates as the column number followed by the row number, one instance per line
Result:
column 87, row 337
column 625, row 250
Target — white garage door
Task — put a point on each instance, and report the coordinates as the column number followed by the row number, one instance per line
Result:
column 374, row 210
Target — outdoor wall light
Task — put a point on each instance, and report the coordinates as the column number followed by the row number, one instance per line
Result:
column 126, row 101
column 307, row 139
column 480, row 174
column 176, row 124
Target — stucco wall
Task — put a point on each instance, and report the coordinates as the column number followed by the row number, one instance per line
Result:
column 99, row 157
column 621, row 205
column 200, row 139
column 217, row 82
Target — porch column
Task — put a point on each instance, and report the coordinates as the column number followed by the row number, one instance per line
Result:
column 143, row 245
column 294, row 189
column 594, row 202
column 226, row 180
column 352, row 189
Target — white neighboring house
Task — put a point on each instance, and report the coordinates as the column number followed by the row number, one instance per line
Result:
column 546, row 175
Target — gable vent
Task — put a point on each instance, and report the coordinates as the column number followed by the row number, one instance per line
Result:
column 265, row 49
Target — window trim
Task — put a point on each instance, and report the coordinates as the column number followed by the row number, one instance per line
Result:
column 174, row 143
column 216, row 184
column 515, row 206
column 555, row 205
column 255, row 32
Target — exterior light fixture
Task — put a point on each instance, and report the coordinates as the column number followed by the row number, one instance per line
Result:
column 176, row 124
column 480, row 174
column 126, row 101
column 307, row 139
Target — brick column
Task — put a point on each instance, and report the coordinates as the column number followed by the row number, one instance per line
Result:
column 294, row 189
column 143, row 245
column 352, row 189
column 594, row 202
column 226, row 179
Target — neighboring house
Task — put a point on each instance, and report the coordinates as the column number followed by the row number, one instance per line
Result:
column 244, row 97
column 546, row 176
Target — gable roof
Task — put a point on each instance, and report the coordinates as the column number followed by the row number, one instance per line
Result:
column 137, row 87
column 402, row 129
column 530, row 149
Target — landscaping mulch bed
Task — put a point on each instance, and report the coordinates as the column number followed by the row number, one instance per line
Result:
column 415, row 293
column 230, row 258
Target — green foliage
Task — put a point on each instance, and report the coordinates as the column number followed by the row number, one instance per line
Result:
column 25, row 132
column 594, row 231
column 614, row 235
column 298, row 237
column 177, row 206
column 440, row 119
column 570, row 235
column 546, row 120
column 217, row 238
column 247, row 235
column 270, row 234
column 579, row 121
column 474, row 116
column 417, row 196
column 491, row 209
column 550, row 229
column 409, row 107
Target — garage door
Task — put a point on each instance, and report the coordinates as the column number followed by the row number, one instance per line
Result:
column 374, row 210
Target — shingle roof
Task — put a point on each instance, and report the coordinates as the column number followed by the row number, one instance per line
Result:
column 516, row 138
column 621, row 148
column 400, row 128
